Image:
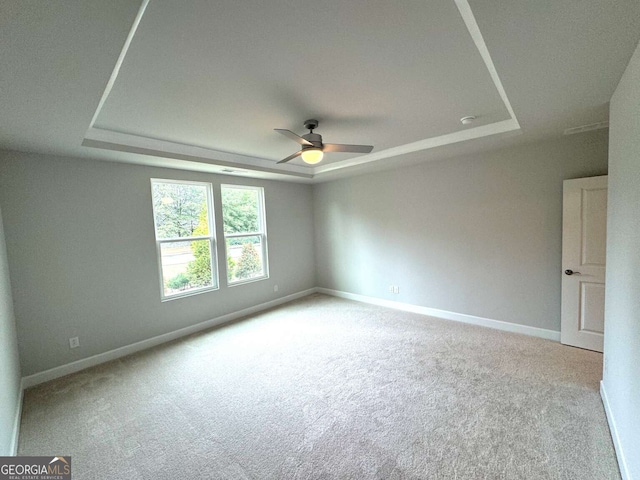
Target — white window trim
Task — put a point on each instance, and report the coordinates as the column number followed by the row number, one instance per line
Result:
column 262, row 233
column 211, row 237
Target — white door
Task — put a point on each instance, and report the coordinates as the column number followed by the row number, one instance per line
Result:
column 584, row 234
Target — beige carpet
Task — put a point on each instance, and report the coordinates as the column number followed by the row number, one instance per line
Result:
column 324, row 388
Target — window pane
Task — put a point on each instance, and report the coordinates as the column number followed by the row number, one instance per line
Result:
column 244, row 258
column 185, row 266
column 240, row 210
column 180, row 210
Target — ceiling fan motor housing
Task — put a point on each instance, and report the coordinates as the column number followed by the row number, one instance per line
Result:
column 314, row 138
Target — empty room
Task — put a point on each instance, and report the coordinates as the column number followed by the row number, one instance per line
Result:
column 320, row 239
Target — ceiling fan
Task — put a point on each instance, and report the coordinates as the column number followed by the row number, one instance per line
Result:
column 312, row 147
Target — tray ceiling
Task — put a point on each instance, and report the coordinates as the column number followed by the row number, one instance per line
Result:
column 214, row 79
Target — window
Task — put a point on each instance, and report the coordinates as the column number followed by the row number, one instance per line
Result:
column 185, row 237
column 244, row 233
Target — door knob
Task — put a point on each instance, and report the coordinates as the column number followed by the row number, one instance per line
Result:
column 571, row 272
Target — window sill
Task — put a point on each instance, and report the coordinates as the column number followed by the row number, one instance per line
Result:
column 190, row 293
column 250, row 280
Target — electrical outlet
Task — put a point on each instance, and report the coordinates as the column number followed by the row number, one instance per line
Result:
column 74, row 342
column 390, row 288
column 396, row 289
column 275, row 288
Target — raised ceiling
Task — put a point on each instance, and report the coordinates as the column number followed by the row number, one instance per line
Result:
column 222, row 76
column 201, row 85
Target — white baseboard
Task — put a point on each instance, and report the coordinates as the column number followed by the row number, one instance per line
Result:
column 458, row 317
column 78, row 365
column 69, row 368
column 622, row 462
column 13, row 448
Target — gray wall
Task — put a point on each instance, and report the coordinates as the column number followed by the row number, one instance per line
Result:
column 622, row 303
column 479, row 235
column 82, row 257
column 9, row 362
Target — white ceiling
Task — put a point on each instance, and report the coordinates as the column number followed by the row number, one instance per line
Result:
column 201, row 85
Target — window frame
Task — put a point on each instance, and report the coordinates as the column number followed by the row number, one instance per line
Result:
column 262, row 233
column 215, row 280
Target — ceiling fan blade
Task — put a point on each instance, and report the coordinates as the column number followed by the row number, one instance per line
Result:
column 293, row 136
column 291, row 157
column 337, row 147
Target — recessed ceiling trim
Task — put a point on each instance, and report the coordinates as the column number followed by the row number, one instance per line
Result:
column 112, row 140
column 116, row 69
column 476, row 35
column 109, row 140
column 470, row 134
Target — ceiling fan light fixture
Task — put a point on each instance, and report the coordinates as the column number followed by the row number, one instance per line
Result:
column 312, row 155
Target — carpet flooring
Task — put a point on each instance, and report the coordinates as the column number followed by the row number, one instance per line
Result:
column 324, row 388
